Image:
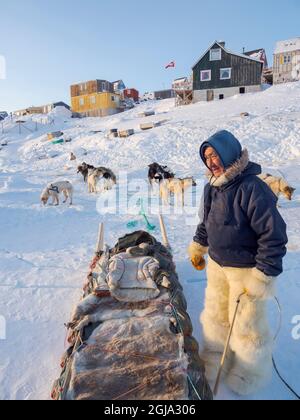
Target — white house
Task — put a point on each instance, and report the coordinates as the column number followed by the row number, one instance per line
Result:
column 286, row 66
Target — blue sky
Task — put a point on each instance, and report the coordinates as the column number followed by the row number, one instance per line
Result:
column 48, row 45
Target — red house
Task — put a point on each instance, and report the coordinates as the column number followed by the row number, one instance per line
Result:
column 132, row 93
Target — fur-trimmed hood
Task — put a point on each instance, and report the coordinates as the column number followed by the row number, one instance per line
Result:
column 240, row 167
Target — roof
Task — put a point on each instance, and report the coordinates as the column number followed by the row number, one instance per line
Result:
column 117, row 81
column 254, row 51
column 180, row 79
column 227, row 51
column 3, row 115
column 287, row 46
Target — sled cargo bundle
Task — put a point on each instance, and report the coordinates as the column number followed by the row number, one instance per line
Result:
column 130, row 336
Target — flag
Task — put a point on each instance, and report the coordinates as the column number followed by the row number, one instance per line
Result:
column 171, row 65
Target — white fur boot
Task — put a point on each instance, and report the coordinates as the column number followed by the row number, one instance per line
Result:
column 215, row 320
column 251, row 342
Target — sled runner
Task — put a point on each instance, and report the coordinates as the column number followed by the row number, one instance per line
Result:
column 130, row 336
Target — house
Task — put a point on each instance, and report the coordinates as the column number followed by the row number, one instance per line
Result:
column 164, row 94
column 183, row 88
column 220, row 73
column 29, row 111
column 118, row 86
column 131, row 94
column 43, row 109
column 286, row 67
column 3, row 115
column 96, row 98
column 148, row 96
column 50, row 107
column 260, row 55
column 182, row 83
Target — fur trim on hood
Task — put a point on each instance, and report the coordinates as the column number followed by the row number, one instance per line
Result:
column 232, row 172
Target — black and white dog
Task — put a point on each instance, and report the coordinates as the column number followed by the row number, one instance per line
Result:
column 158, row 173
column 83, row 169
column 94, row 176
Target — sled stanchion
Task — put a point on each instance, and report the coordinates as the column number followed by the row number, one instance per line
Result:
column 164, row 232
column 100, row 240
column 216, row 388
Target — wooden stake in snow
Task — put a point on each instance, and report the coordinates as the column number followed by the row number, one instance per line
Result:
column 164, row 232
column 100, row 241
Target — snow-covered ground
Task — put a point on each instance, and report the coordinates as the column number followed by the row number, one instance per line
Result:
column 45, row 251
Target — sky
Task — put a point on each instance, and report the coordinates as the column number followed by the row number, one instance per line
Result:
column 49, row 45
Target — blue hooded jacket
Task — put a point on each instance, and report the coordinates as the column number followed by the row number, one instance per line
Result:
column 242, row 226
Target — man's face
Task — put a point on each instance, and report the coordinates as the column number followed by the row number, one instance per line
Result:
column 214, row 162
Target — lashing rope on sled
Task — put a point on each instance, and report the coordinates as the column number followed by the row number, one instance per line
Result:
column 179, row 325
column 160, row 304
column 134, row 355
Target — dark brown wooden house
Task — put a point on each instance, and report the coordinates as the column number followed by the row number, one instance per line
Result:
column 220, row 73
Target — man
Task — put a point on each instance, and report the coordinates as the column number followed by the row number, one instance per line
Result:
column 246, row 239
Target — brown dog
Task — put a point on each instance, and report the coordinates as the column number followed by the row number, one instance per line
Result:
column 278, row 186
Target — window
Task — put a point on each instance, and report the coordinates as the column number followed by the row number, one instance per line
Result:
column 215, row 54
column 225, row 74
column 242, row 90
column 93, row 100
column 205, row 76
column 81, row 101
column 113, row 98
column 221, row 97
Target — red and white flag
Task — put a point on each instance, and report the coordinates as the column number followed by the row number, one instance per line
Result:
column 171, row 65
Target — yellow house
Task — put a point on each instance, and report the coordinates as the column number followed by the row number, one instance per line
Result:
column 95, row 99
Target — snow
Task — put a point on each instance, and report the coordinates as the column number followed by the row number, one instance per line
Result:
column 45, row 251
column 60, row 112
column 287, row 46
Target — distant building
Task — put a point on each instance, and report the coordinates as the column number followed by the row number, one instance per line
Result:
column 96, row 98
column 260, row 55
column 183, row 88
column 164, row 94
column 50, row 107
column 118, row 86
column 286, row 66
column 43, row 109
column 148, row 96
column 3, row 115
column 220, row 73
column 131, row 94
column 182, row 83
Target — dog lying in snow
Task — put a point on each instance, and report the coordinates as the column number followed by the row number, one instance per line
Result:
column 278, row 185
column 175, row 186
column 94, row 175
column 157, row 173
column 53, row 190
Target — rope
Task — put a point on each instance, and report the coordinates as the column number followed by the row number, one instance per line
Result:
column 273, row 359
column 182, row 332
column 148, row 382
column 283, row 381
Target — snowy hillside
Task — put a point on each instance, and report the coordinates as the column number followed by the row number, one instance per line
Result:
column 45, row 251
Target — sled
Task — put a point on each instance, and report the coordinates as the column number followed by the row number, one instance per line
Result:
column 146, row 114
column 55, row 135
column 147, row 126
column 132, row 343
column 126, row 133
